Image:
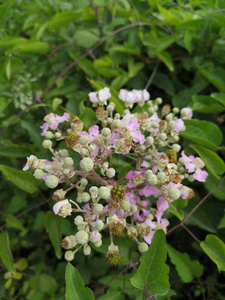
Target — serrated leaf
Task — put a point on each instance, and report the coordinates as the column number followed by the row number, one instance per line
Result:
column 186, row 268
column 153, row 271
column 75, row 289
column 5, row 251
column 215, row 249
column 61, row 19
column 24, row 180
column 202, row 132
column 53, row 225
column 213, row 162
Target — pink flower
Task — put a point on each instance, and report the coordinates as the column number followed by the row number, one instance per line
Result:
column 186, row 113
column 53, row 121
column 189, row 165
column 138, row 137
column 200, row 175
column 178, row 125
column 162, row 204
column 150, row 191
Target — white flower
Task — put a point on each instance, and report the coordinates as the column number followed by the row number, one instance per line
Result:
column 32, row 161
column 62, row 208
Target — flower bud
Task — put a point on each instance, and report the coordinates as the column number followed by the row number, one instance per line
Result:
column 87, row 250
column 63, row 153
column 62, row 208
column 85, row 197
column 105, row 132
column 81, row 237
column 143, row 229
column 161, row 176
column 49, row 135
column 110, row 108
column 132, row 232
column 69, row 255
column 95, row 236
column 69, row 242
column 94, row 190
column 84, row 182
column 117, row 124
column 113, row 255
column 152, row 179
column 162, row 136
column 104, row 192
column 176, row 147
column 176, row 110
column 182, row 160
column 148, row 173
column 78, row 220
column 83, row 140
column 86, row 164
column 68, row 162
column 98, row 243
column 99, row 225
column 51, row 181
column 58, row 195
column 125, row 205
column 133, row 209
column 155, row 125
column 47, row 144
column 84, row 152
column 158, row 100
column 98, row 207
column 92, row 148
column 58, row 135
column 174, row 193
column 38, row 174
column 110, row 172
column 142, row 247
column 66, row 171
column 151, row 110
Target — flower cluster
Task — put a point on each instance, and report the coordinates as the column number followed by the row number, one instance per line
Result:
column 132, row 204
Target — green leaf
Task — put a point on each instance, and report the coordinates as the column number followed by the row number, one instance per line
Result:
column 153, row 271
column 213, row 162
column 24, row 180
column 215, row 249
column 8, row 69
column 176, row 211
column 205, row 104
column 133, row 67
column 202, row 132
column 4, row 102
column 47, row 283
column 222, row 223
column 128, row 49
column 186, row 268
column 114, row 98
column 188, row 36
column 22, row 264
column 216, row 76
column 33, row 130
column 53, row 225
column 75, row 289
column 55, row 103
column 14, row 151
column 219, row 97
column 88, row 117
column 120, row 81
column 31, row 47
column 166, row 59
column 12, row 41
column 62, row 19
column 88, row 67
column 171, row 16
column 14, row 222
column 85, row 38
column 165, row 42
column 5, row 251
column 112, row 294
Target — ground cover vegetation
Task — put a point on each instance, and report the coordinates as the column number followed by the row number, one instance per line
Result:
column 112, row 121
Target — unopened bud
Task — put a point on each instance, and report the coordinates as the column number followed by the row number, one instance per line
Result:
column 78, row 220
column 69, row 242
column 58, row 135
column 49, row 135
column 47, row 144
column 158, row 100
column 152, row 179
column 69, row 255
column 85, row 197
column 117, row 124
column 68, row 162
column 38, row 174
column 110, row 172
column 83, row 140
column 104, row 192
column 86, row 164
column 63, row 153
column 51, row 181
column 62, row 208
column 81, row 237
column 142, row 247
column 99, row 225
column 125, row 205
column 105, row 132
column 174, row 193
column 86, row 250
column 98, row 207
column 149, row 140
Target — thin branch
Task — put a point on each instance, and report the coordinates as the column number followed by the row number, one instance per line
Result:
column 152, row 75
column 71, row 66
column 189, row 231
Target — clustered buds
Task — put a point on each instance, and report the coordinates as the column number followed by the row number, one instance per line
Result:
column 147, row 138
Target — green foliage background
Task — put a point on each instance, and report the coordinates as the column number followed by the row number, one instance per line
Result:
column 67, row 49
